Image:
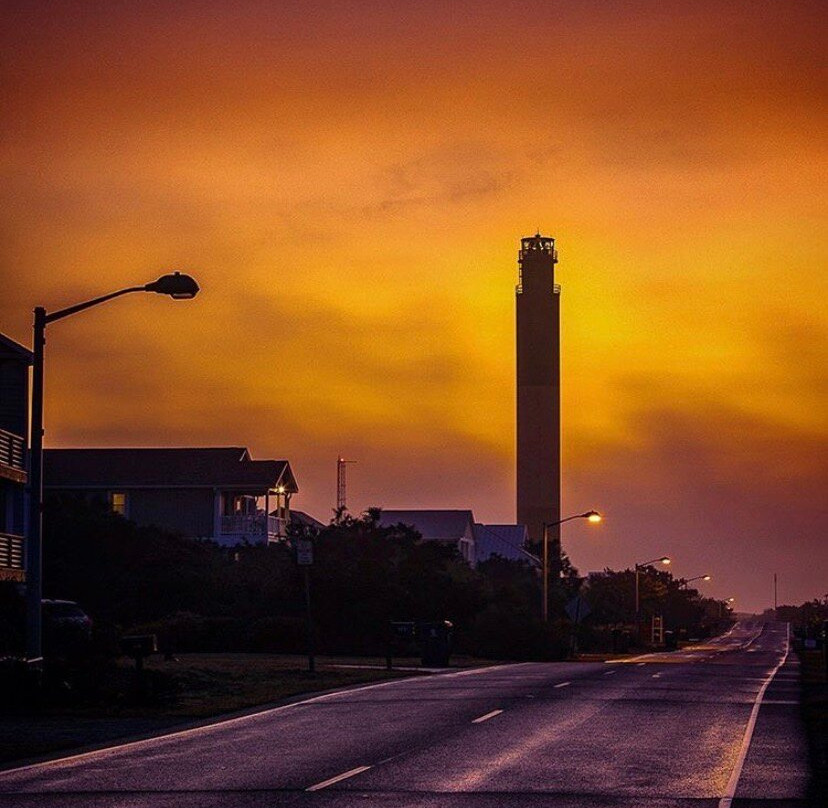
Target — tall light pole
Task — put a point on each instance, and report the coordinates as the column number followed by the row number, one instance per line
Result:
column 590, row 516
column 638, row 567
column 178, row 287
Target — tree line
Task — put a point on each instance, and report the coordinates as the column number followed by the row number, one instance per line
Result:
column 197, row 596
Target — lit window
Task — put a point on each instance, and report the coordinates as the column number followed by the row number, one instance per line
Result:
column 118, row 503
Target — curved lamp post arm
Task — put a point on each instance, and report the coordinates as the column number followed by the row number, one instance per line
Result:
column 662, row 559
column 175, row 284
column 593, row 516
column 685, row 581
column 59, row 315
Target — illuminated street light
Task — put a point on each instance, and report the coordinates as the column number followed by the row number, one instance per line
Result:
column 178, row 287
column 638, row 567
column 590, row 516
column 684, row 581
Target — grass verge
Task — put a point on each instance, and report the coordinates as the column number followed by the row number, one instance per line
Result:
column 815, row 717
column 190, row 688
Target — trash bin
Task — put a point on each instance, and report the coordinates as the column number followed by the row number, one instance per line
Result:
column 670, row 641
column 620, row 641
column 400, row 640
column 435, row 642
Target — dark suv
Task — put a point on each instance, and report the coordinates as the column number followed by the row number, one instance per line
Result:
column 66, row 626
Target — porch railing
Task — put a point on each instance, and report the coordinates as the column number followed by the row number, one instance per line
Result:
column 12, row 451
column 252, row 524
column 11, row 552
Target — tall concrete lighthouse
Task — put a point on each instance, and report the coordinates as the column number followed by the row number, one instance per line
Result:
column 538, row 387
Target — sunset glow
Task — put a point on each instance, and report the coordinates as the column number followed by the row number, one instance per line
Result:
column 349, row 182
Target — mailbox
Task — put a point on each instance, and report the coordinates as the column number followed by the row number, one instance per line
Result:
column 403, row 629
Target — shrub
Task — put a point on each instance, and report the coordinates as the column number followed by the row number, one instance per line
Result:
column 501, row 634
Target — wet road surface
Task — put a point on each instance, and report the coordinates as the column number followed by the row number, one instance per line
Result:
column 713, row 725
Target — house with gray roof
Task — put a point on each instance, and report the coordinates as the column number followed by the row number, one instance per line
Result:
column 450, row 526
column 213, row 493
column 506, row 541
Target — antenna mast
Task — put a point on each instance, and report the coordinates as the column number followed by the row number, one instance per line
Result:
column 341, row 486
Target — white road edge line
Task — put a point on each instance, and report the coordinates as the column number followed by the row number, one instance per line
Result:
column 338, row 778
column 220, row 723
column 562, row 684
column 733, row 783
column 486, row 717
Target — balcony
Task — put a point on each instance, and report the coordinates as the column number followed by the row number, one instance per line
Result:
column 11, row 557
column 12, row 457
column 254, row 527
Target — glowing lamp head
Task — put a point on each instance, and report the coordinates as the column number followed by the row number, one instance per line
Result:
column 665, row 560
column 593, row 516
column 706, row 577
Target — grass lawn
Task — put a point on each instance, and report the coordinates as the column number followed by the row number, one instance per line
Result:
column 209, row 684
column 203, row 685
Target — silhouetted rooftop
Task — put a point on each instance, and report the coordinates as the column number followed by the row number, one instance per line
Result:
column 226, row 467
column 304, row 519
column 503, row 540
column 11, row 349
column 441, row 525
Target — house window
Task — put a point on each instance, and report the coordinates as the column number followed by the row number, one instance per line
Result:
column 118, row 503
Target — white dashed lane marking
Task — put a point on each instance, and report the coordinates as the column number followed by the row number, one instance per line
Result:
column 486, row 717
column 338, row 778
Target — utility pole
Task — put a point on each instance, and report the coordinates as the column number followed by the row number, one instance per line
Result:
column 545, row 558
column 775, row 603
column 304, row 558
column 341, row 485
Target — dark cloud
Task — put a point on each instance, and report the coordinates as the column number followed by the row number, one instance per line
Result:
column 450, row 175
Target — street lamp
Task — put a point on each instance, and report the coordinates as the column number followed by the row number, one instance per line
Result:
column 684, row 581
column 178, row 287
column 722, row 604
column 638, row 567
column 590, row 516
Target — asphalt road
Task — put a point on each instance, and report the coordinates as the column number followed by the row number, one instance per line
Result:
column 692, row 728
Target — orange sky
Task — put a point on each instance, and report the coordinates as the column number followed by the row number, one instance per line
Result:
column 349, row 183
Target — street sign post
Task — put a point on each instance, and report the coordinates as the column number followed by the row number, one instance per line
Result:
column 304, row 559
column 577, row 609
column 304, row 552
